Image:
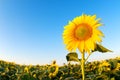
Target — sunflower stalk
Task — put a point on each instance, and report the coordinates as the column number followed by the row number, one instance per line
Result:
column 83, row 66
column 87, row 58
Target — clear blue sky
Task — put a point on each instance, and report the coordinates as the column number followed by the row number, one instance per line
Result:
column 31, row 30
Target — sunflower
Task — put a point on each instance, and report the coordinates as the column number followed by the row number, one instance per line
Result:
column 82, row 33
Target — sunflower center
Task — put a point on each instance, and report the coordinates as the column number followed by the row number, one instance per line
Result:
column 83, row 32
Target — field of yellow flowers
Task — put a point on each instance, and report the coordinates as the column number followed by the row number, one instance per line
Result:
column 97, row 70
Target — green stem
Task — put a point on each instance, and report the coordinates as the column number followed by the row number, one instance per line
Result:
column 83, row 66
column 87, row 57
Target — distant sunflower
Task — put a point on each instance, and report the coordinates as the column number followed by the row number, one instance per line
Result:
column 82, row 33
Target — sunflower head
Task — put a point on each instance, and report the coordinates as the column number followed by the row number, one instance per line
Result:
column 82, row 33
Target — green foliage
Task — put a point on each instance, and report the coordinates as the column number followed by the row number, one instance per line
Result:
column 72, row 56
column 101, row 48
column 97, row 70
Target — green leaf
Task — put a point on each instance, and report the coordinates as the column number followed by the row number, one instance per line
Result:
column 101, row 48
column 72, row 56
column 113, row 64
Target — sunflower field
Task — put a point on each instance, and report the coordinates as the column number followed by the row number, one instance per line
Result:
column 97, row 70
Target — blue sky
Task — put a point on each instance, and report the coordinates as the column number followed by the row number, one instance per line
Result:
column 31, row 30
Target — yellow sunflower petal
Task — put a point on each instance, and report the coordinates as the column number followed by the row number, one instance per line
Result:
column 81, row 46
column 99, row 33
